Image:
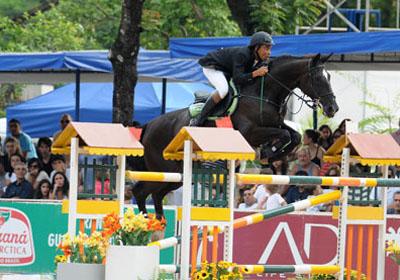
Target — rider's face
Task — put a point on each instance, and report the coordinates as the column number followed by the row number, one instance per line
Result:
column 264, row 51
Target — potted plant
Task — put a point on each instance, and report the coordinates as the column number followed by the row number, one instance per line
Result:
column 82, row 257
column 128, row 255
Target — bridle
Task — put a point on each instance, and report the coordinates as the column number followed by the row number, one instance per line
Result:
column 312, row 103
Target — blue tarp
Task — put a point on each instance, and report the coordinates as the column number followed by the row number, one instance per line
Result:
column 40, row 116
column 152, row 64
column 336, row 43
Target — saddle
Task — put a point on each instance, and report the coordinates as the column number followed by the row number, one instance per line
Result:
column 225, row 107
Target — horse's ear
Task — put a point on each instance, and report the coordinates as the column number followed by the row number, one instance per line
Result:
column 316, row 59
column 326, row 58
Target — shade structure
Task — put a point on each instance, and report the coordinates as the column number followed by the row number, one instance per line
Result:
column 40, row 116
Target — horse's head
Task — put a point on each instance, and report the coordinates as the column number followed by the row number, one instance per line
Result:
column 316, row 84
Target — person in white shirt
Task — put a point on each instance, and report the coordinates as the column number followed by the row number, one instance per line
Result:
column 250, row 202
column 272, row 200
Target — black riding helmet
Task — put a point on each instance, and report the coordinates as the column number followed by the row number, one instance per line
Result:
column 260, row 38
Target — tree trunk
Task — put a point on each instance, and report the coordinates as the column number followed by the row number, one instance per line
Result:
column 123, row 57
column 240, row 10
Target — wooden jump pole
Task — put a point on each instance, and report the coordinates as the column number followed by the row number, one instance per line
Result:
column 370, row 251
column 204, row 245
column 350, row 231
column 360, row 232
column 194, row 248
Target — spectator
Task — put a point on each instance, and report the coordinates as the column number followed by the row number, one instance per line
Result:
column 64, row 121
column 396, row 205
column 44, row 153
column 60, row 186
column 102, row 178
column 35, row 173
column 261, row 191
column 304, row 163
column 396, row 134
column 15, row 159
column 12, row 147
column 333, row 171
column 280, row 166
column 44, row 190
column 128, row 196
column 249, row 201
column 310, row 139
column 297, row 193
column 315, row 191
column 59, row 165
column 336, row 135
column 273, row 200
column 3, row 181
column 25, row 141
column 342, row 126
column 325, row 140
column 21, row 188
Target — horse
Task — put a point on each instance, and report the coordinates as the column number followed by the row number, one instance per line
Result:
column 261, row 128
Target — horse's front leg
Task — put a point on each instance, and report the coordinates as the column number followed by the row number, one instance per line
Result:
column 273, row 141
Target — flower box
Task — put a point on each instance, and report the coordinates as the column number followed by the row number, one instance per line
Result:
column 132, row 262
column 87, row 271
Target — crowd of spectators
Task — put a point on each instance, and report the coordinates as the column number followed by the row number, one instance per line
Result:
column 307, row 160
column 31, row 171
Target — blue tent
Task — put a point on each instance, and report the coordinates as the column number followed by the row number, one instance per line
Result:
column 92, row 66
column 40, row 116
column 352, row 51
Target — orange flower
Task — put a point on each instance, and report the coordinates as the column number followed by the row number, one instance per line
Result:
column 154, row 224
column 110, row 224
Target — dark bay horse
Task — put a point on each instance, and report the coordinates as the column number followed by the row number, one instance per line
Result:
column 260, row 125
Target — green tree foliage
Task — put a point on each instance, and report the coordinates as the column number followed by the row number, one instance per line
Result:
column 275, row 16
column 185, row 18
column 11, row 8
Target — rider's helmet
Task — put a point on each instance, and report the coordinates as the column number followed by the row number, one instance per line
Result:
column 260, row 38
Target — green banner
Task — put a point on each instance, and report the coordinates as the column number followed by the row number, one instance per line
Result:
column 31, row 231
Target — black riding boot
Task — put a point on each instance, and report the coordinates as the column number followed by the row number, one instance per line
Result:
column 201, row 118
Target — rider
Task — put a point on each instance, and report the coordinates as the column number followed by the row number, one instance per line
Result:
column 236, row 62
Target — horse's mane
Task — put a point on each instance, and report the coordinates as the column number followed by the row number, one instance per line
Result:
column 285, row 59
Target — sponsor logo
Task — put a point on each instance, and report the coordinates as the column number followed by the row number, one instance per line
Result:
column 16, row 242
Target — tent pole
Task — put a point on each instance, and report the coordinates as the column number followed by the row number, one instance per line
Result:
column 164, row 96
column 77, row 93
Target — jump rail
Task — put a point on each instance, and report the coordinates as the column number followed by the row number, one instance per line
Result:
column 258, row 217
column 256, row 269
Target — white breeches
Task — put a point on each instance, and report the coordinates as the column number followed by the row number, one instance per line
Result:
column 218, row 80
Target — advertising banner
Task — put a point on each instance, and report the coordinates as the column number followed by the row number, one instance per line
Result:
column 303, row 239
column 31, row 231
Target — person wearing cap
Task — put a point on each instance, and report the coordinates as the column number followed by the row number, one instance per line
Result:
column 242, row 64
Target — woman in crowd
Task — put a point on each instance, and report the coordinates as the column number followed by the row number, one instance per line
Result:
column 325, row 140
column 44, row 190
column 310, row 139
column 60, row 186
column 35, row 173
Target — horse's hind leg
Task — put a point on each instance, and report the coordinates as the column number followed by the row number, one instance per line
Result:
column 158, row 199
column 141, row 193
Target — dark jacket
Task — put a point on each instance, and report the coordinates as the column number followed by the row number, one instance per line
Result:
column 22, row 190
column 236, row 62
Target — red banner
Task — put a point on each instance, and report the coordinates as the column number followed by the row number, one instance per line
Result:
column 302, row 239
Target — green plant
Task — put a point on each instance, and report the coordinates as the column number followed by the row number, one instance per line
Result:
column 221, row 270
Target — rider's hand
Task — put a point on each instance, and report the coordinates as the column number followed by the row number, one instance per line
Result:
column 260, row 71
